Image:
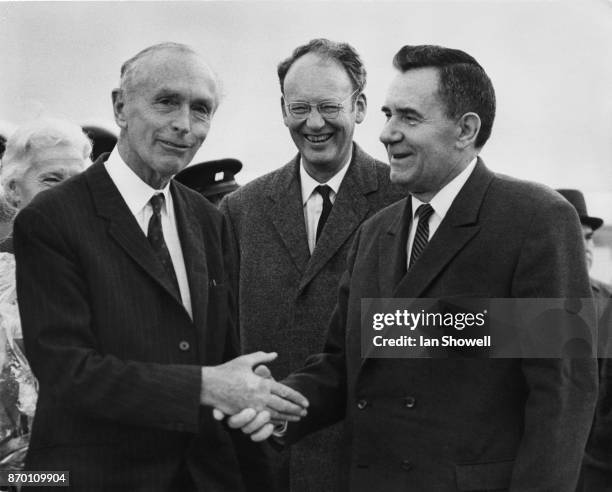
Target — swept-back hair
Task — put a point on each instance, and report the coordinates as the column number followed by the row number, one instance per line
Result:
column 464, row 85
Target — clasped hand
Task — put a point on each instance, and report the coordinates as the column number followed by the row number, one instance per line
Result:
column 250, row 396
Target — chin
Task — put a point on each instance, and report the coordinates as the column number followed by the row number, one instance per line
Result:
column 399, row 177
column 173, row 166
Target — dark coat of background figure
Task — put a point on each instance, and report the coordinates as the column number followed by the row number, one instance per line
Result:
column 286, row 296
column 596, row 473
column 116, row 353
column 458, row 424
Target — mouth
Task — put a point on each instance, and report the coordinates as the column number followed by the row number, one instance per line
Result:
column 181, row 147
column 398, row 156
column 319, row 139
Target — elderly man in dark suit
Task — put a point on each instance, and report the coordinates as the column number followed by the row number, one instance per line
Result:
column 452, row 424
column 125, row 297
column 293, row 227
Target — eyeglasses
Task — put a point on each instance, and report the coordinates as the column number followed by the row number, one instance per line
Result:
column 327, row 109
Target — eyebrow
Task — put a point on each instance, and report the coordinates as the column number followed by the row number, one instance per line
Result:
column 169, row 92
column 402, row 111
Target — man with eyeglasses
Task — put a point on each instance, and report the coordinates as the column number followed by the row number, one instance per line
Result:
column 457, row 422
column 294, row 226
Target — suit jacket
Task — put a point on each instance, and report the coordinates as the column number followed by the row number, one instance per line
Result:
column 596, row 475
column 458, row 424
column 286, row 296
column 116, row 354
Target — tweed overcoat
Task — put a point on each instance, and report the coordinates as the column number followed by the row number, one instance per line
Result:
column 286, row 296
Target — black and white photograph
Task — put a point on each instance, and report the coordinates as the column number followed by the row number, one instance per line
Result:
column 264, row 245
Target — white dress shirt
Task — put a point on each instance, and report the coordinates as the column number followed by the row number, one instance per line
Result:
column 312, row 201
column 136, row 194
column 440, row 203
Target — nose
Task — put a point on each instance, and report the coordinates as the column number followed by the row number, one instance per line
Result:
column 181, row 122
column 389, row 133
column 315, row 121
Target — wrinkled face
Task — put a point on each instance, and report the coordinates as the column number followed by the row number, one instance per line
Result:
column 324, row 143
column 420, row 139
column 48, row 167
column 587, row 236
column 164, row 114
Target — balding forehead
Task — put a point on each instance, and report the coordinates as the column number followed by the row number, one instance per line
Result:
column 177, row 47
column 140, row 68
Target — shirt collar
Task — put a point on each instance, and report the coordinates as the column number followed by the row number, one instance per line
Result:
column 134, row 190
column 443, row 200
column 308, row 183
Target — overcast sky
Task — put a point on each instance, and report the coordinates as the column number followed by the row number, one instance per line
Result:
column 550, row 63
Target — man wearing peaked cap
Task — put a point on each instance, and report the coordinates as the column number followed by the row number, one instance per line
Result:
column 103, row 140
column 596, row 474
column 212, row 179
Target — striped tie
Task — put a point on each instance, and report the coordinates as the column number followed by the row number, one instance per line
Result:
column 156, row 238
column 422, row 233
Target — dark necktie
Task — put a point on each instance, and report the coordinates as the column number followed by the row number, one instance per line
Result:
column 421, row 236
column 324, row 191
column 156, row 238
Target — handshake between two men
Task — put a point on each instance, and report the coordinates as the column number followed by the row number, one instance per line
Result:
column 244, row 390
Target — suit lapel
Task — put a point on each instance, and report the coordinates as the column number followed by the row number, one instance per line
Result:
column 349, row 211
column 287, row 214
column 392, row 251
column 458, row 227
column 194, row 254
column 123, row 227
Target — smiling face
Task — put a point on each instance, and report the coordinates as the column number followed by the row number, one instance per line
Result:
column 48, row 167
column 422, row 142
column 324, row 144
column 164, row 113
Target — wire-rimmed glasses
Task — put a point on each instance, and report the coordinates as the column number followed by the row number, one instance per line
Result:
column 327, row 109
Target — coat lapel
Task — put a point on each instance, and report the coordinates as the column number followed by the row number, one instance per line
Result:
column 123, row 227
column 458, row 227
column 349, row 211
column 287, row 214
column 392, row 250
column 194, row 254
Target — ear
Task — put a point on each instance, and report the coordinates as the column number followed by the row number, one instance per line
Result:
column 118, row 96
column 284, row 110
column 361, row 108
column 468, row 127
column 13, row 194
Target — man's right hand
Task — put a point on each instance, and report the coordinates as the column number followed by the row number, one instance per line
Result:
column 234, row 386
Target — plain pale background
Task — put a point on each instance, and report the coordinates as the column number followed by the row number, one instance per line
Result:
column 549, row 61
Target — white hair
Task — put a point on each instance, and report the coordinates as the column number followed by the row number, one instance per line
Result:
column 130, row 67
column 42, row 133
